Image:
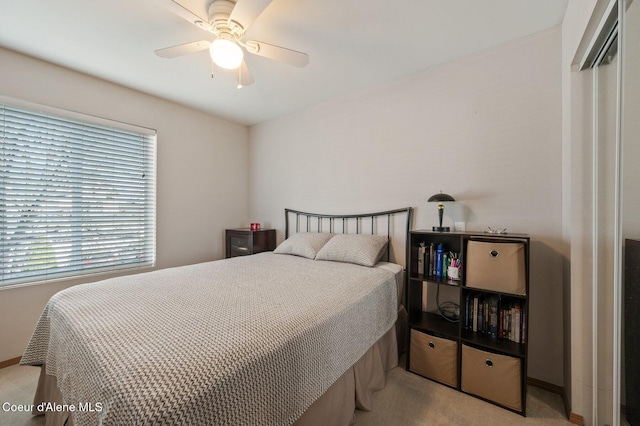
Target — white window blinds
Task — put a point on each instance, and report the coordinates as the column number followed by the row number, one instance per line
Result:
column 76, row 197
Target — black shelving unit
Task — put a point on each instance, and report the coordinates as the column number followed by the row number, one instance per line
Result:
column 472, row 346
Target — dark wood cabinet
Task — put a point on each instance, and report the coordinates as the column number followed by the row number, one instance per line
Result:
column 244, row 241
column 470, row 331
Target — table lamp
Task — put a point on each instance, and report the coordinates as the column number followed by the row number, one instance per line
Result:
column 440, row 198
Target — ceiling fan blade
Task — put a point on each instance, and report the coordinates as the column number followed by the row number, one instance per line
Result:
column 188, row 10
column 246, row 11
column 277, row 53
column 244, row 76
column 183, row 49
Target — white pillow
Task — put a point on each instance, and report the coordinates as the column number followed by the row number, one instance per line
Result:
column 305, row 244
column 360, row 249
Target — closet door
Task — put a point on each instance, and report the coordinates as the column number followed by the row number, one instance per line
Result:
column 614, row 58
column 604, row 226
column 630, row 220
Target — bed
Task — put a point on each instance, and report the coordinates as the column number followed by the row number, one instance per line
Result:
column 302, row 335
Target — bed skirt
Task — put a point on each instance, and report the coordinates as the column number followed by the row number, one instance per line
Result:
column 335, row 407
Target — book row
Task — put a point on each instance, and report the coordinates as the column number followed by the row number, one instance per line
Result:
column 497, row 317
column 434, row 260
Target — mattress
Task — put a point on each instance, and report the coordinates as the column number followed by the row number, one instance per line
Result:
column 398, row 272
column 248, row 340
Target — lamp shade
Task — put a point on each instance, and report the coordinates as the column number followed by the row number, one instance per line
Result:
column 440, row 197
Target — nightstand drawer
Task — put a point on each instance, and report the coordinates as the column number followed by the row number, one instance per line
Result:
column 492, row 376
column 242, row 242
column 239, row 246
column 434, row 357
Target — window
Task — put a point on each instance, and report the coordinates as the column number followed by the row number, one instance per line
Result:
column 77, row 195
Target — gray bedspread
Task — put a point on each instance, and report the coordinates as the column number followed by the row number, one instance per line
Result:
column 244, row 341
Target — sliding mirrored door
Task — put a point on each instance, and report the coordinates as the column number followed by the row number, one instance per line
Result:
column 615, row 236
column 605, row 71
column 616, row 217
column 629, row 408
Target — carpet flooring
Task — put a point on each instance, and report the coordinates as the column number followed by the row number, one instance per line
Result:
column 407, row 400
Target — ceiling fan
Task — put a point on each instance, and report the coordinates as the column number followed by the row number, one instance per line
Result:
column 228, row 20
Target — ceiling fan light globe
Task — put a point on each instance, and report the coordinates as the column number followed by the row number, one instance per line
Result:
column 226, row 54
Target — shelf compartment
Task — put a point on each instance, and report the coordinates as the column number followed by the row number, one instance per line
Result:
column 496, row 265
column 434, row 357
column 496, row 320
column 503, row 345
column 494, row 377
column 435, row 280
column 497, row 293
column 433, row 323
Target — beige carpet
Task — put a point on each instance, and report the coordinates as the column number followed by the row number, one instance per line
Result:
column 17, row 386
column 407, row 400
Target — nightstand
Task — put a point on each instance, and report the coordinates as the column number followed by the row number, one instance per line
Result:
column 244, row 241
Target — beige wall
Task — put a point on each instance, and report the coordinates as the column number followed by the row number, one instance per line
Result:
column 485, row 129
column 202, row 181
column 575, row 106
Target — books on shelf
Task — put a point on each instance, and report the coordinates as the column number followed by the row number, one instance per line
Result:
column 434, row 261
column 474, row 314
column 497, row 317
column 425, row 292
column 493, row 316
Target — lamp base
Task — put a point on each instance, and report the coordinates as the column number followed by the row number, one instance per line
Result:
column 441, row 229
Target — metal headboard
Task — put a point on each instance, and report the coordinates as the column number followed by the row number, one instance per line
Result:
column 333, row 223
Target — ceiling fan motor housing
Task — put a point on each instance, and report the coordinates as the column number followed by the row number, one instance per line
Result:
column 219, row 12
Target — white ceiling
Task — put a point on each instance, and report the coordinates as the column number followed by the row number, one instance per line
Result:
column 351, row 44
